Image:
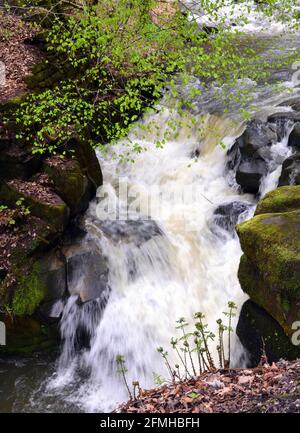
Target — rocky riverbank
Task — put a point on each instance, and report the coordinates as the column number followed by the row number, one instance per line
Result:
column 268, row 270
column 42, row 198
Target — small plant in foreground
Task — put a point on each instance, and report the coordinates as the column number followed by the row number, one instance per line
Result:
column 198, row 341
column 230, row 314
column 122, row 370
column 24, row 210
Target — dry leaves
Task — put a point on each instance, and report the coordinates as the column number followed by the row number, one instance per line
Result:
column 269, row 388
column 17, row 56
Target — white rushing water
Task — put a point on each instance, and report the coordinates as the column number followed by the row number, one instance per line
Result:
column 174, row 261
column 189, row 264
column 167, row 259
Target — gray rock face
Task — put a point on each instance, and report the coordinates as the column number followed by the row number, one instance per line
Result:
column 290, row 174
column 136, row 231
column 294, row 139
column 257, row 136
column 87, row 275
column 250, row 154
column 293, row 116
column 250, row 173
column 255, row 325
column 78, row 268
column 227, row 215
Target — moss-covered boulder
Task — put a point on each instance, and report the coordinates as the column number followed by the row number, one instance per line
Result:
column 70, row 183
column 40, row 201
column 269, row 270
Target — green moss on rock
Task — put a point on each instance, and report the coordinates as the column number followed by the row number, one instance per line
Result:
column 29, row 294
column 70, row 182
column 269, row 271
column 283, row 199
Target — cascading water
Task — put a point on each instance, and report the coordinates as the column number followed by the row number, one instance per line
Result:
column 173, row 256
column 173, row 252
column 158, row 271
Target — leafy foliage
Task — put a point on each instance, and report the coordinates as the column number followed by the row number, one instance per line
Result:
column 117, row 59
column 197, row 341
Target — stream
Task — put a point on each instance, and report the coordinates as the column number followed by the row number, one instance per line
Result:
column 170, row 253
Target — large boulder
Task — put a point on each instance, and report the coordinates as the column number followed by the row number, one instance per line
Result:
column 249, row 155
column 70, row 183
column 290, row 174
column 227, row 215
column 257, row 330
column 88, row 160
column 269, row 270
column 294, row 138
column 250, row 174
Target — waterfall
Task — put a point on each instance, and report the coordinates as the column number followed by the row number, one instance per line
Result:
column 173, row 253
column 165, row 226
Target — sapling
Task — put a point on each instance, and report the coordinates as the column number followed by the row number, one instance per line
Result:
column 185, row 337
column 205, row 335
column 198, row 349
column 165, row 354
column 220, row 347
column 174, row 343
column 158, row 379
column 122, row 370
column 230, row 314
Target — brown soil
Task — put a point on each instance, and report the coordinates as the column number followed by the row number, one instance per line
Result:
column 17, row 56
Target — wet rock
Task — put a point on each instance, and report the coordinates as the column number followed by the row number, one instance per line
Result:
column 137, row 231
column 26, row 335
column 284, row 116
column 227, row 215
column 255, row 327
column 250, row 173
column 70, row 183
column 250, row 154
column 87, row 275
column 290, row 174
column 293, row 102
column 257, row 135
column 294, row 138
column 54, row 276
column 76, row 268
